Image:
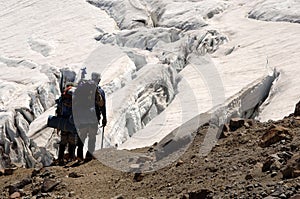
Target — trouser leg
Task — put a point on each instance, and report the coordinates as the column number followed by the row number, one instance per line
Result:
column 71, row 150
column 91, row 145
column 61, row 152
column 80, row 150
column 62, row 145
column 80, row 143
column 72, row 141
column 92, row 140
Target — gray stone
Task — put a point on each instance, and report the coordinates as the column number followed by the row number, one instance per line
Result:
column 263, row 194
column 282, row 196
column 118, row 197
column 71, row 194
column 273, row 174
column 75, row 175
column 249, row 187
column 49, row 185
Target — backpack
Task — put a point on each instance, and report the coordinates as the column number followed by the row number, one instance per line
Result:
column 86, row 96
column 86, row 89
column 67, row 96
column 64, row 103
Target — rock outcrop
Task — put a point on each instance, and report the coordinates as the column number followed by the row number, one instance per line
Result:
column 297, row 110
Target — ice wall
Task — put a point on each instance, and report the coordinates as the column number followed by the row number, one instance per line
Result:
column 37, row 39
column 170, row 144
column 23, row 99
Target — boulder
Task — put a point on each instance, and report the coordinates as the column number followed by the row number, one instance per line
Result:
column 236, row 123
column 292, row 168
column 48, row 185
column 15, row 195
column 19, row 185
column 275, row 134
column 271, row 164
column 254, row 172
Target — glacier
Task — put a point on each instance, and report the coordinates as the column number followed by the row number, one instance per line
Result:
column 163, row 63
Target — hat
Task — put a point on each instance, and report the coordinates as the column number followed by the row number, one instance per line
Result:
column 96, row 76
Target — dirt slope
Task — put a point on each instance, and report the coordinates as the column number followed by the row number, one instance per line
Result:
column 244, row 164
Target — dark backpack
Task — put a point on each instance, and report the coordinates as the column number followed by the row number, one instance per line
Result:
column 86, row 96
column 67, row 96
column 64, row 103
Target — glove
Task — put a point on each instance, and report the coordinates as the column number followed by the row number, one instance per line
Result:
column 104, row 122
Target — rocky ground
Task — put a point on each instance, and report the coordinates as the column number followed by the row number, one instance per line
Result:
column 251, row 160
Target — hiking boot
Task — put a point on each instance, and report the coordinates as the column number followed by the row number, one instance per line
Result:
column 61, row 162
column 87, row 159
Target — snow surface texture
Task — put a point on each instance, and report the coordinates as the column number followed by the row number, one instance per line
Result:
column 162, row 64
column 274, row 10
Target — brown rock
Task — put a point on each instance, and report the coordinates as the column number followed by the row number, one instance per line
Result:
column 15, row 195
column 203, row 193
column 19, row 185
column 297, row 109
column 236, row 123
column 249, row 122
column 48, row 185
column 8, row 171
column 226, row 128
column 296, row 173
column 295, row 196
column 287, row 172
column 274, row 134
column 296, row 121
column 248, row 177
column 225, row 131
column 292, row 168
column 1, row 172
column 255, row 172
column 180, row 162
column 138, row 177
column 75, row 175
column 267, row 164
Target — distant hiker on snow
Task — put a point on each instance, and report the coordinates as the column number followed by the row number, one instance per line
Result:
column 89, row 105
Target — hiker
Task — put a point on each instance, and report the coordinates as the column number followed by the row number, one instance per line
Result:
column 88, row 113
column 64, row 110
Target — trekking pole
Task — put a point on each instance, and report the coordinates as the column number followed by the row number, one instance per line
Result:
column 102, row 137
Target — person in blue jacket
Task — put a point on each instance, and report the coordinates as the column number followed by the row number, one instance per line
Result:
column 64, row 110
